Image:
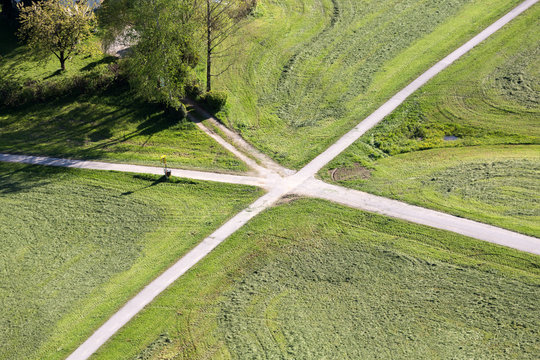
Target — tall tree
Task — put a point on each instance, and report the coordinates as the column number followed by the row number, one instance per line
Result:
column 164, row 54
column 56, row 26
column 115, row 17
column 221, row 19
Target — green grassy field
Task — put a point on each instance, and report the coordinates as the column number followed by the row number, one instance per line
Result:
column 76, row 245
column 309, row 70
column 498, row 185
column 489, row 97
column 311, row 279
column 112, row 126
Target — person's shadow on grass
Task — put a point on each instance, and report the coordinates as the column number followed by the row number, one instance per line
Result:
column 154, row 183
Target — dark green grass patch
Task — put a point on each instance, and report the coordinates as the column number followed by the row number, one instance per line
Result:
column 113, row 126
column 75, row 245
column 310, row 279
column 309, row 70
column 498, row 185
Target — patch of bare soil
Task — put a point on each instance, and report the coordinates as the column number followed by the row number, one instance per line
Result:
column 288, row 199
column 350, row 173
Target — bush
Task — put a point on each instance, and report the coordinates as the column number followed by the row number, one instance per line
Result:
column 177, row 108
column 9, row 91
column 182, row 111
column 194, row 91
column 214, row 100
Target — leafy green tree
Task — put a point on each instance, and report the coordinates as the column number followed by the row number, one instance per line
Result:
column 115, row 17
column 161, row 61
column 56, row 26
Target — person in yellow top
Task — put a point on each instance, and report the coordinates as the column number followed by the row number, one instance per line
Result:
column 165, row 169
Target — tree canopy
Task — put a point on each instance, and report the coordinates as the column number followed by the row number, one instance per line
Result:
column 164, row 54
column 56, row 26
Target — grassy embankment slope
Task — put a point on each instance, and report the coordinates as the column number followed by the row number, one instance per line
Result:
column 311, row 279
column 77, row 244
column 309, row 70
column 490, row 101
column 108, row 125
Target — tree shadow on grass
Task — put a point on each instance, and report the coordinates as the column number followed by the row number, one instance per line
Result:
column 84, row 127
column 53, row 74
column 153, row 183
column 154, row 180
column 105, row 60
column 16, row 178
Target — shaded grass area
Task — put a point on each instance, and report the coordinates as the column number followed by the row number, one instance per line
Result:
column 310, row 70
column 76, row 245
column 498, row 185
column 110, row 125
column 113, row 126
column 311, row 279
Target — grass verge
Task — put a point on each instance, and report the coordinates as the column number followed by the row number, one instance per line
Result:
column 311, row 279
column 77, row 244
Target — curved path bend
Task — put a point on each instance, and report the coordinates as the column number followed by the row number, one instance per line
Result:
column 302, row 182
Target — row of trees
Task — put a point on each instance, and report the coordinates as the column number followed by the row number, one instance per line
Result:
column 171, row 37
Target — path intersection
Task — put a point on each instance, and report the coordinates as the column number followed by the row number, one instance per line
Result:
column 279, row 182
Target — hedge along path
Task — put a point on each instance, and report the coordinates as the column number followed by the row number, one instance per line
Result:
column 303, row 182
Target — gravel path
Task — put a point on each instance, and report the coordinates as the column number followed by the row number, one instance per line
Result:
column 97, row 165
column 436, row 219
column 267, row 164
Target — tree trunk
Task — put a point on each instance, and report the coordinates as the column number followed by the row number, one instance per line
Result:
column 62, row 59
column 208, row 48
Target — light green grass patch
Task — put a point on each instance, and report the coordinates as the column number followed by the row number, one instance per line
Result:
column 77, row 244
column 310, row 70
column 498, row 185
column 310, row 279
